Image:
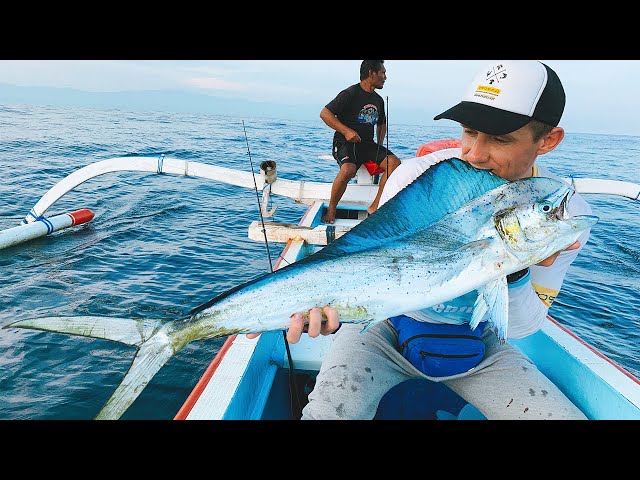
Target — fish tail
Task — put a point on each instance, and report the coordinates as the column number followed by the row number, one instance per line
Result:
column 146, row 363
column 129, row 331
column 154, row 350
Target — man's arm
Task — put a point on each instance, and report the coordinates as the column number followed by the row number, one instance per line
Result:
column 332, row 121
column 531, row 296
column 381, row 132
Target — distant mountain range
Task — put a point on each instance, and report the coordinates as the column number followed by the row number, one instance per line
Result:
column 161, row 101
column 180, row 102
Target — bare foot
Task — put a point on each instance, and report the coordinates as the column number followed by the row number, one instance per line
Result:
column 329, row 216
column 371, row 209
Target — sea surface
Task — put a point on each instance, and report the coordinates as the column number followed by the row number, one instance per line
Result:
column 160, row 245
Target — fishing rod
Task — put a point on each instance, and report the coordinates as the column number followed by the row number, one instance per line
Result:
column 378, row 147
column 255, row 184
column 293, row 390
column 386, row 170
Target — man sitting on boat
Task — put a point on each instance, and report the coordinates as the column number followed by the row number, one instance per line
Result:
column 509, row 116
column 352, row 114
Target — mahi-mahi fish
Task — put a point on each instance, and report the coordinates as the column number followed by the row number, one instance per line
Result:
column 453, row 230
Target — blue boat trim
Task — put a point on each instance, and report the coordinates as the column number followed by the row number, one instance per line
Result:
column 47, row 223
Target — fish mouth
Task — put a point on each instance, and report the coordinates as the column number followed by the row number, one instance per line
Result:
column 579, row 222
column 562, row 213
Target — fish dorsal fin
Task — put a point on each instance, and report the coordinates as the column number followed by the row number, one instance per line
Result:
column 438, row 191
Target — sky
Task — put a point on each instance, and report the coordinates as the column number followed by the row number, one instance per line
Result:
column 601, row 94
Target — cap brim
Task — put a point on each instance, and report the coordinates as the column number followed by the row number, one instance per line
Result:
column 489, row 120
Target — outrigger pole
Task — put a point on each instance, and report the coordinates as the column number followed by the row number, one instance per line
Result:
column 360, row 193
column 35, row 224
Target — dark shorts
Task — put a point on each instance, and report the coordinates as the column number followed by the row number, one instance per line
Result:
column 359, row 153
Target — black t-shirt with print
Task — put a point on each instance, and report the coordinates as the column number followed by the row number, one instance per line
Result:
column 358, row 110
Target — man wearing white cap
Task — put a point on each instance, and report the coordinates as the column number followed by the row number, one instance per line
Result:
column 509, row 115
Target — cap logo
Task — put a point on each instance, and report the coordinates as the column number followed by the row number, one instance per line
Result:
column 492, row 77
column 496, row 74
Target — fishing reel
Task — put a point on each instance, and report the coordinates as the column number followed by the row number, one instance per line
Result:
column 269, row 175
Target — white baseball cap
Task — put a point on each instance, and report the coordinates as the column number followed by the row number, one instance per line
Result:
column 506, row 95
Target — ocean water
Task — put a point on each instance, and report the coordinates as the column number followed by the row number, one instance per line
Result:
column 160, row 245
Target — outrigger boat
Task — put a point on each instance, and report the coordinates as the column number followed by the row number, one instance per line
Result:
column 266, row 378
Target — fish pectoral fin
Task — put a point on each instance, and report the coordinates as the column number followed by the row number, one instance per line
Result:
column 480, row 244
column 129, row 331
column 494, row 299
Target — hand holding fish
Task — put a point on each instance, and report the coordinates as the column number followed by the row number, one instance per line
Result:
column 547, row 262
column 315, row 325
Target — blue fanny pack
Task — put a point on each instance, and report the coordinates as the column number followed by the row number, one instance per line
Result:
column 439, row 349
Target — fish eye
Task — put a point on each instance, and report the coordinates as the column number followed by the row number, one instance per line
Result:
column 545, row 207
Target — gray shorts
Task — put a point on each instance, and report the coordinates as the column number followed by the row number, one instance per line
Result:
column 360, row 368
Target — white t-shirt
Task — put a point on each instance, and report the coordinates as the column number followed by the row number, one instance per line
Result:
column 530, row 297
